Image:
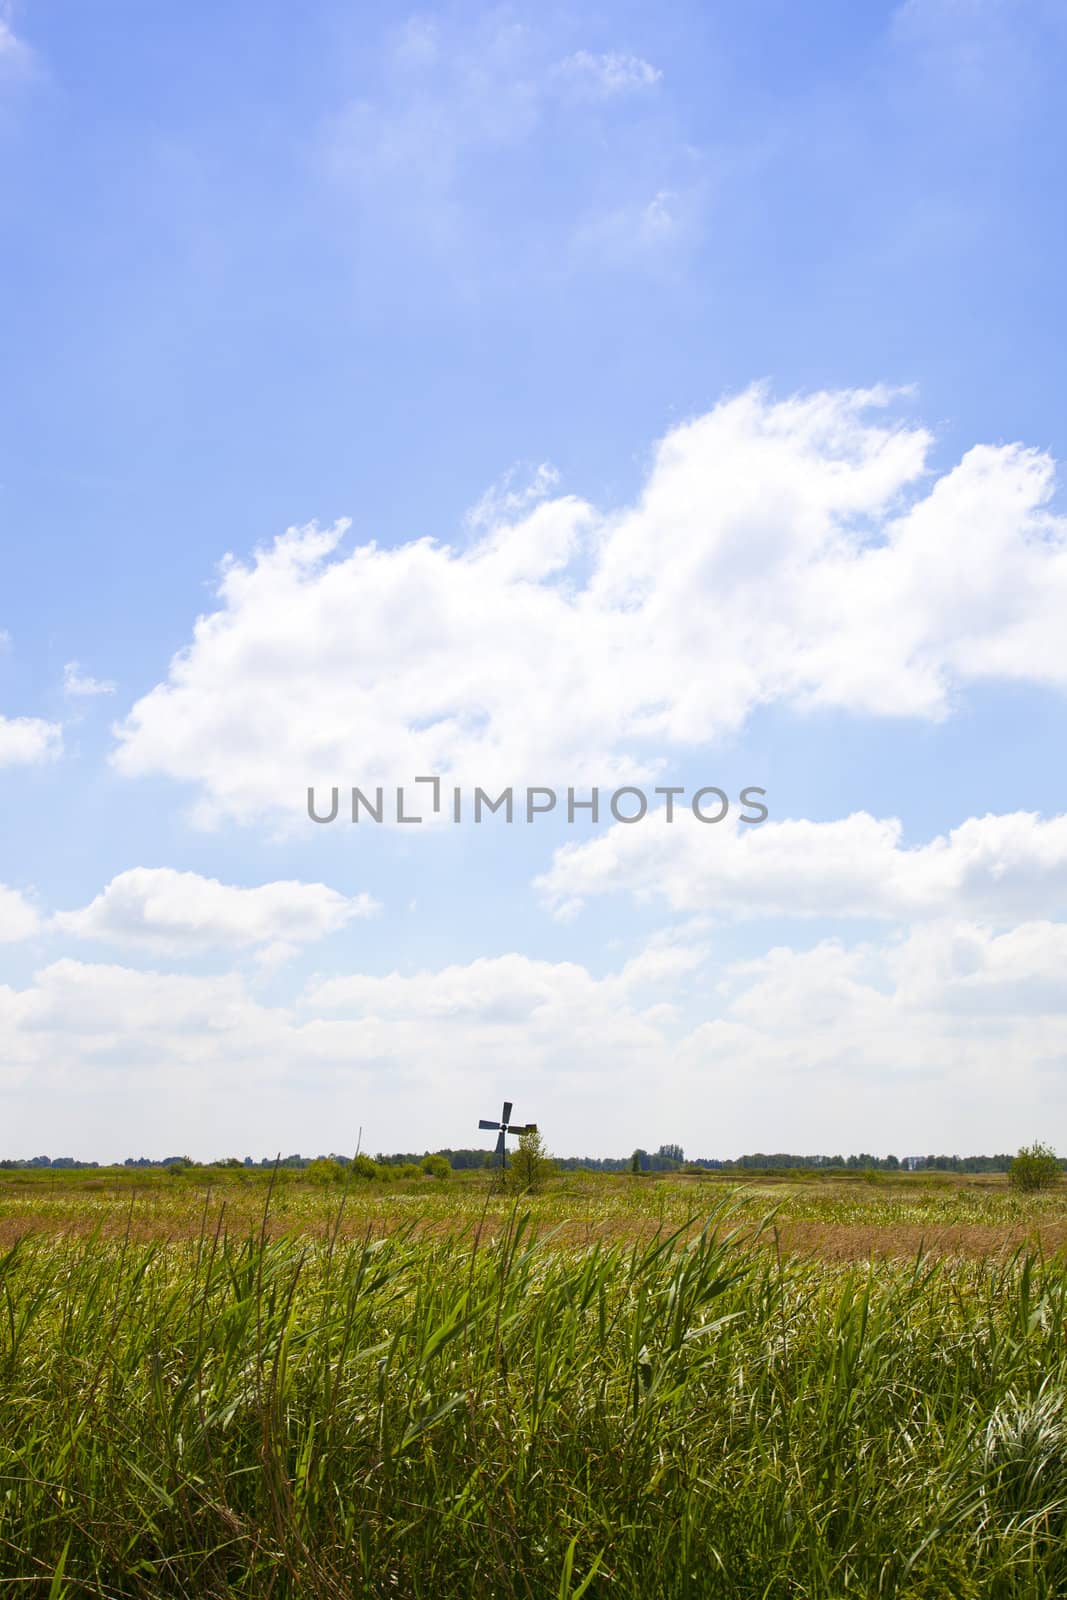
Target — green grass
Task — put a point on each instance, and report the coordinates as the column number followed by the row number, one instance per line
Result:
column 288, row 1409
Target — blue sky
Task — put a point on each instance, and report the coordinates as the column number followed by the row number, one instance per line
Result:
column 712, row 352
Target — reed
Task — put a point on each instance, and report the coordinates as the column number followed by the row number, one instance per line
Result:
column 495, row 1410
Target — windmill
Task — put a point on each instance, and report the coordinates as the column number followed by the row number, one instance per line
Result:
column 506, row 1126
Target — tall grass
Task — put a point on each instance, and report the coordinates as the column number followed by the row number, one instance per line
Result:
column 494, row 1413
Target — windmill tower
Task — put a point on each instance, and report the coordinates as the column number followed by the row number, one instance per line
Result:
column 506, row 1126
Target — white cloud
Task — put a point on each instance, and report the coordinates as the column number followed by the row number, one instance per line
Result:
column 796, row 551
column 828, row 1048
column 27, row 741
column 155, row 1059
column 819, row 1049
column 18, row 918
column 509, row 989
column 113, row 1008
column 951, row 993
column 602, row 76
column 970, row 969
column 78, row 683
column 182, row 913
column 1002, row 867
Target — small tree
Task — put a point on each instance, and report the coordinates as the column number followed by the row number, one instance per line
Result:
column 1036, row 1167
column 531, row 1163
column 437, row 1166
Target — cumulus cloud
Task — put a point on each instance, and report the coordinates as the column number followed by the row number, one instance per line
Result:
column 1003, row 867
column 18, row 918
column 795, row 551
column 804, row 1049
column 156, row 1057
column 28, row 741
column 509, row 988
column 973, row 970
column 948, row 994
column 80, row 684
column 827, row 1047
column 182, row 913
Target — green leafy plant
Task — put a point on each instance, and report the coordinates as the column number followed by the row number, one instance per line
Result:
column 531, row 1163
column 437, row 1167
column 1036, row 1167
column 324, row 1171
column 338, row 1391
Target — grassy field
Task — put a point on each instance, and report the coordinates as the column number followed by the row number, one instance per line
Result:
column 213, row 1386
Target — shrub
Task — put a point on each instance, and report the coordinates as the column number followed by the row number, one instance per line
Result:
column 364, row 1167
column 1036, row 1167
column 437, row 1167
column 324, row 1170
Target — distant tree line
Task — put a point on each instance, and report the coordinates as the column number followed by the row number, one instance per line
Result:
column 63, row 1162
column 864, row 1162
column 668, row 1158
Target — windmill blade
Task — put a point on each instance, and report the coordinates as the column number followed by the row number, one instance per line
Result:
column 506, row 1115
column 529, row 1127
column 482, row 1123
column 500, row 1143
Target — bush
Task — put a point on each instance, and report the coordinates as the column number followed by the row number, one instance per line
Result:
column 364, row 1167
column 324, row 1171
column 1036, row 1167
column 437, row 1167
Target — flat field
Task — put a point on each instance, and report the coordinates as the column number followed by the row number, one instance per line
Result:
column 217, row 1384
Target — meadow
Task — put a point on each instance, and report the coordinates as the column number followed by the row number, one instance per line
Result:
column 223, row 1384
